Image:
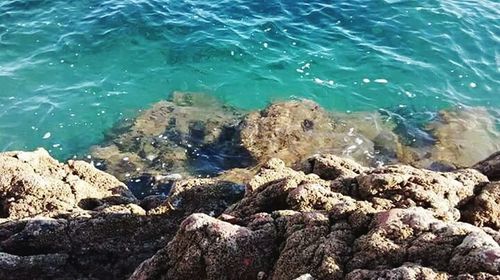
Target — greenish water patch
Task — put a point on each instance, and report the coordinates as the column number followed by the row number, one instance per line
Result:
column 69, row 70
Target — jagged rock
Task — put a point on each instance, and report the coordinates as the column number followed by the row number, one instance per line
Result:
column 26, row 267
column 33, row 183
column 407, row 271
column 201, row 196
column 330, row 167
column 484, row 210
column 207, row 248
column 406, row 186
column 269, row 189
column 102, row 245
column 415, row 235
column 490, row 166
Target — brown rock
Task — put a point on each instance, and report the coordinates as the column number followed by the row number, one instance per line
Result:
column 414, row 235
column 490, row 166
column 201, row 196
column 407, row 271
column 484, row 210
column 330, row 167
column 33, row 183
column 296, row 130
column 207, row 248
column 464, row 136
column 406, row 186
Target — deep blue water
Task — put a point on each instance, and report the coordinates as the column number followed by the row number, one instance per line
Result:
column 69, row 70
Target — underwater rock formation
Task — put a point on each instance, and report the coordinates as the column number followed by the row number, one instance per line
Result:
column 183, row 136
column 464, row 136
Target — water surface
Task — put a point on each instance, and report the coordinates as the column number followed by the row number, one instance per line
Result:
column 69, row 70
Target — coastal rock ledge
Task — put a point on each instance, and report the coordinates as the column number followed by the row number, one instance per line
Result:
column 328, row 218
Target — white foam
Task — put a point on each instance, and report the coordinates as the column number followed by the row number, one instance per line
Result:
column 381, row 81
column 47, row 135
column 366, row 80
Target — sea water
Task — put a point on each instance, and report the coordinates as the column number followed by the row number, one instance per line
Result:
column 70, row 70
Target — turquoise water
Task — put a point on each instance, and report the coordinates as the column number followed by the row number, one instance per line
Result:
column 69, row 70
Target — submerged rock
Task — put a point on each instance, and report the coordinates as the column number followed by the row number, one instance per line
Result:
column 464, row 136
column 192, row 134
column 295, row 130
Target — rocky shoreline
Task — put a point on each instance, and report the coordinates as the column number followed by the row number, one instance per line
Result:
column 301, row 194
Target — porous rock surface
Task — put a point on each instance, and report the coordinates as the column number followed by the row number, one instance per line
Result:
column 72, row 221
column 33, row 183
column 310, row 230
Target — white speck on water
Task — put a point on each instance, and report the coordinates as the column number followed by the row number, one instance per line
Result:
column 381, row 81
column 318, row 81
column 265, row 45
column 473, row 85
column 56, row 145
column 322, row 82
column 267, row 30
column 232, row 53
column 366, row 80
column 47, row 135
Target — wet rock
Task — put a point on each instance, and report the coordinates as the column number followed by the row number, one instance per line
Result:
column 201, row 196
column 490, row 166
column 208, row 248
column 330, row 167
column 152, row 201
column 295, row 130
column 484, row 209
column 33, row 183
column 464, row 136
column 190, row 134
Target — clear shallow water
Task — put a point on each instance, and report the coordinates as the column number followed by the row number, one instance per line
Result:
column 69, row 70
